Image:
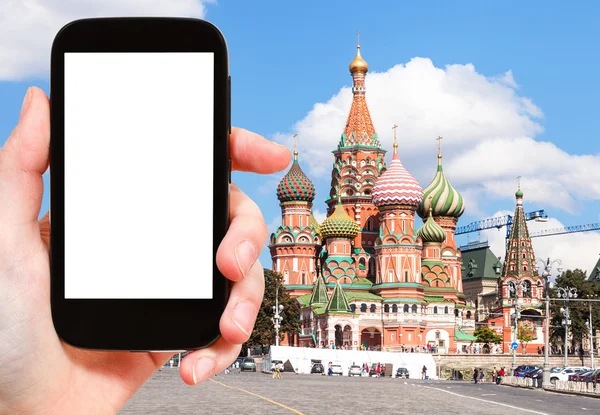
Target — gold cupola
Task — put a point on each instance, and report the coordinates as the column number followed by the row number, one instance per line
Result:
column 358, row 64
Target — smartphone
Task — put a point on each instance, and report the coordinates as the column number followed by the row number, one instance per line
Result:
column 139, row 182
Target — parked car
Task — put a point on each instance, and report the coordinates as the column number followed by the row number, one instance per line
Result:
column 521, row 370
column 402, row 372
column 317, row 368
column 337, row 370
column 564, row 374
column 355, row 370
column 594, row 376
column 534, row 374
column 579, row 375
column 248, row 364
column 275, row 362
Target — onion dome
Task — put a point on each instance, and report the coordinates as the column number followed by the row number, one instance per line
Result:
column 314, row 223
column 431, row 232
column 441, row 197
column 358, row 64
column 396, row 186
column 295, row 185
column 519, row 193
column 339, row 224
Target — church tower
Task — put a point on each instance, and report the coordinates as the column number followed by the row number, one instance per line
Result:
column 358, row 161
column 446, row 205
column 397, row 195
column 296, row 243
column 519, row 261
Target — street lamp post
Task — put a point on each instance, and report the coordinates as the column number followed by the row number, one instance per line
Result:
column 277, row 318
column 514, row 288
column 566, row 293
column 590, row 327
column 546, row 276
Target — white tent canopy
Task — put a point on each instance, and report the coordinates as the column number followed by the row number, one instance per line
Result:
column 302, row 359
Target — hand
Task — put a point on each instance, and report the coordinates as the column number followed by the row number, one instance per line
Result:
column 39, row 373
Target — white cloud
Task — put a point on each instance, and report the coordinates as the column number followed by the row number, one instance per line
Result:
column 319, row 216
column 575, row 250
column 28, row 27
column 488, row 131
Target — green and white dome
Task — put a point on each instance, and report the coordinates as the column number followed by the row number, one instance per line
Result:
column 441, row 197
column 431, row 232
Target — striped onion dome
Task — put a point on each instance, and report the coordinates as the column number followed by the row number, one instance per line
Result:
column 441, row 197
column 339, row 224
column 396, row 186
column 295, row 185
column 431, row 232
column 315, row 223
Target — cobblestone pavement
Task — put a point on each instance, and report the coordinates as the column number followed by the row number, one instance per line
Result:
column 258, row 393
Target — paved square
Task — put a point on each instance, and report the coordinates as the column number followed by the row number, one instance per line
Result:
column 257, row 393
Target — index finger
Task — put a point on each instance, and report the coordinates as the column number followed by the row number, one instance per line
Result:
column 253, row 153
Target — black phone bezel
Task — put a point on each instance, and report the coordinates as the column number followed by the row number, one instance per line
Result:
column 139, row 324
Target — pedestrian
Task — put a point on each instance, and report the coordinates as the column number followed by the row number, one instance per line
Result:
column 481, row 376
column 494, row 375
column 475, row 375
column 279, row 370
column 424, row 372
column 378, row 370
column 500, row 376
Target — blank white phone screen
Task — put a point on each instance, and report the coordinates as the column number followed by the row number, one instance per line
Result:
column 138, row 175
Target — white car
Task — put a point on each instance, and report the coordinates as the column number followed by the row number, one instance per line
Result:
column 564, row 374
column 355, row 371
column 336, row 370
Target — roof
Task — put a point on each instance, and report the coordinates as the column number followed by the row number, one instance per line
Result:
column 362, row 281
column 434, row 298
column 460, row 335
column 479, row 263
column 304, row 300
column 319, row 292
column 338, row 301
column 358, row 296
column 595, row 273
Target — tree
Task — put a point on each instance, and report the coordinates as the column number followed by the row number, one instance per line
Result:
column 263, row 333
column 578, row 311
column 524, row 334
column 487, row 335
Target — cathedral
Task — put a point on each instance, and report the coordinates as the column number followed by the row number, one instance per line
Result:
column 373, row 275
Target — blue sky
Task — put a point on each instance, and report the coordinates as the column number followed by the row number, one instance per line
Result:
column 531, row 62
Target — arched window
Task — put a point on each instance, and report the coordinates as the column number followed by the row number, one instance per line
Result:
column 362, row 263
column 435, row 310
column 406, row 308
column 386, row 308
column 456, row 312
column 414, row 309
column 446, row 310
column 405, row 276
column 372, row 308
column 353, row 307
column 525, row 268
column 394, row 308
column 369, row 223
column 526, row 287
column 523, row 256
column 363, row 308
column 469, row 315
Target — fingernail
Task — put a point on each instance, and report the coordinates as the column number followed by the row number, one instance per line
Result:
column 26, row 102
column 244, row 315
column 203, row 368
column 245, row 255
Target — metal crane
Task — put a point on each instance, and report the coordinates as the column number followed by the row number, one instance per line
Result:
column 499, row 222
column 566, row 229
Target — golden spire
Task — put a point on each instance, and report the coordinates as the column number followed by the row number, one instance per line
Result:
column 295, row 147
column 358, row 64
column 439, row 140
column 395, row 142
column 519, row 182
